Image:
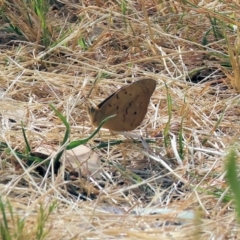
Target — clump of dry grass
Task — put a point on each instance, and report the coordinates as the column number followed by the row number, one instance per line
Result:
column 190, row 124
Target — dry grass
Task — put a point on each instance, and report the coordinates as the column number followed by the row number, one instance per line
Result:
column 102, row 51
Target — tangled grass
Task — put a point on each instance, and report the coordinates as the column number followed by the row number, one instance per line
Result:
column 166, row 179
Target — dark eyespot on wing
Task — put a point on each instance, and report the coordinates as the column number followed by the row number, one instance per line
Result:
column 128, row 93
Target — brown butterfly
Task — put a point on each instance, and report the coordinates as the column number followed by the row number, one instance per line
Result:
column 129, row 104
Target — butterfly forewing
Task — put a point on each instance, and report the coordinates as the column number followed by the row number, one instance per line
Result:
column 130, row 105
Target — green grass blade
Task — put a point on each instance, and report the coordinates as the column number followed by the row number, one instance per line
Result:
column 43, row 216
column 63, row 119
column 65, row 139
column 216, row 124
column 85, row 140
column 166, row 129
column 28, row 148
column 181, row 144
column 4, row 228
column 232, row 178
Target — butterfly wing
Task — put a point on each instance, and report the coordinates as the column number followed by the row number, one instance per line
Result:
column 129, row 103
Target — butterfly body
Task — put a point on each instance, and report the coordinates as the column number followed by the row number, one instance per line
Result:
column 129, row 104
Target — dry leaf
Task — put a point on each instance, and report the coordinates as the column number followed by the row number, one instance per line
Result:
column 80, row 159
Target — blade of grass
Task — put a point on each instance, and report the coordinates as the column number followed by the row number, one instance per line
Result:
column 4, row 228
column 85, row 140
column 43, row 216
column 166, row 129
column 180, row 141
column 65, row 139
column 28, row 148
column 216, row 125
column 232, row 177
